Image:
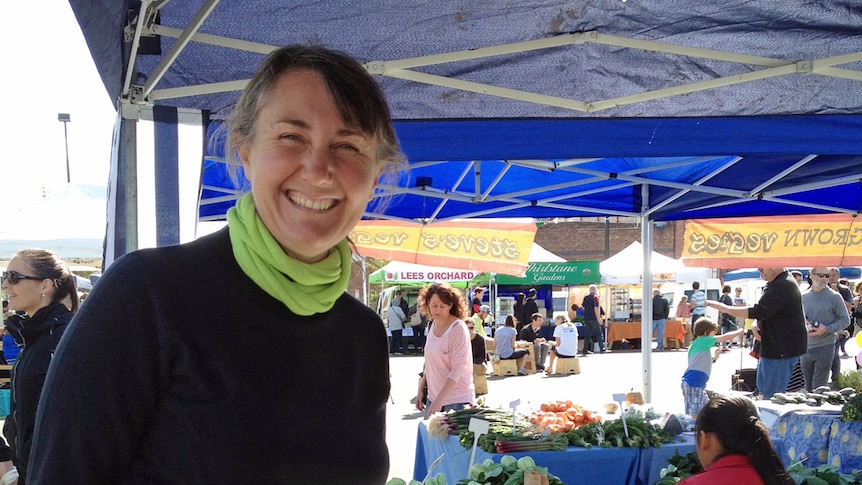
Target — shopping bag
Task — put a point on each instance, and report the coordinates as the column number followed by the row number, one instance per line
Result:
column 535, row 478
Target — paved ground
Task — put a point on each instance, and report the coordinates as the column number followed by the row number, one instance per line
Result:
column 601, row 376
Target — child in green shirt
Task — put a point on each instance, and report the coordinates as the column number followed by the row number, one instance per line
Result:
column 700, row 363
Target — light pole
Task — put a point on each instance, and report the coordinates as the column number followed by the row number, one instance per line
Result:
column 65, row 118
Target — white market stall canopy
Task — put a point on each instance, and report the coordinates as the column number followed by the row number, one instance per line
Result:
column 626, row 268
column 70, row 222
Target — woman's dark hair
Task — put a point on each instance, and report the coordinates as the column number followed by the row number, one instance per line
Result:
column 510, row 321
column 448, row 295
column 737, row 426
column 49, row 265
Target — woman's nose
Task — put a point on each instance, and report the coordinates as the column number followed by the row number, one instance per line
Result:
column 318, row 167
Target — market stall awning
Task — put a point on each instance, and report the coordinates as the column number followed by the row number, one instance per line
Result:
column 626, row 268
column 778, row 241
column 568, row 273
column 492, row 245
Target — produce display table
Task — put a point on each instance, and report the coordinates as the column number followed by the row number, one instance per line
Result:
column 816, row 434
column 632, row 330
column 641, row 466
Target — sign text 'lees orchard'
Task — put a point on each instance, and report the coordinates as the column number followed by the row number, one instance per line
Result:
column 765, row 242
column 431, row 275
column 461, row 244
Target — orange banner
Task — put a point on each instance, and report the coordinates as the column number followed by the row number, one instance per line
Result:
column 778, row 241
column 493, row 246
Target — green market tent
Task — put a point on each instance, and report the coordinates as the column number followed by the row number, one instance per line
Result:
column 568, row 273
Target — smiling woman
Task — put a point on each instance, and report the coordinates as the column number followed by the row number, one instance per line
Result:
column 174, row 339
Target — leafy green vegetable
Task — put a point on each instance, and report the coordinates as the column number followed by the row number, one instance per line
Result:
column 679, row 467
column 852, row 409
column 608, row 434
column 822, row 475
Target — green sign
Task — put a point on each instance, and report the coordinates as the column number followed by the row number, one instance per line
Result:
column 560, row 274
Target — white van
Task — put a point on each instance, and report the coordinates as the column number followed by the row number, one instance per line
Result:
column 385, row 300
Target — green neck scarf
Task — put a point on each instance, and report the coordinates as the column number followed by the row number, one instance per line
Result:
column 304, row 288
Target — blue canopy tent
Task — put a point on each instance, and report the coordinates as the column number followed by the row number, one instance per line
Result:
column 540, row 109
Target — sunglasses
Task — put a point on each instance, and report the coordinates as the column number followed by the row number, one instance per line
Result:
column 820, row 275
column 13, row 277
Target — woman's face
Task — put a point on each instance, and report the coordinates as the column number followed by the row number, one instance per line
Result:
column 26, row 295
column 439, row 310
column 311, row 174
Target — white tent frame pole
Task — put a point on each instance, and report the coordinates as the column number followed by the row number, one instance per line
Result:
column 178, row 46
column 646, row 287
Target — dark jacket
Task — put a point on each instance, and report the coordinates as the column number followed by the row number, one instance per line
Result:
column 169, row 375
column 660, row 308
column 780, row 319
column 40, row 336
column 528, row 334
column 530, row 307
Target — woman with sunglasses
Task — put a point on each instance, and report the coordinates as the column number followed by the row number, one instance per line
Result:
column 202, row 363
column 37, row 282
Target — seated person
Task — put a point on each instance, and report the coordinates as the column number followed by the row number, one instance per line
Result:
column 477, row 342
column 533, row 333
column 565, row 344
column 479, row 319
column 734, row 447
column 504, row 344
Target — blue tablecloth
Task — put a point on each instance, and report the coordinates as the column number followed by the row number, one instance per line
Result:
column 628, row 466
column 816, row 435
column 845, row 446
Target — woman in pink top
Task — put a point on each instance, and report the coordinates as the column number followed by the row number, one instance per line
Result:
column 448, row 354
column 733, row 446
column 683, row 310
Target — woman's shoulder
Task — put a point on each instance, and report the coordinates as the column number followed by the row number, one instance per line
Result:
column 204, row 255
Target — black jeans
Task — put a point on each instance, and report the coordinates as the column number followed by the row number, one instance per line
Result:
column 592, row 334
column 397, row 342
column 418, row 337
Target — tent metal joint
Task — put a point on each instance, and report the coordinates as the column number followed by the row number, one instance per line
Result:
column 136, row 96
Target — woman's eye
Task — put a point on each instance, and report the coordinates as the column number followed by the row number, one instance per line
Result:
column 288, row 137
column 346, row 146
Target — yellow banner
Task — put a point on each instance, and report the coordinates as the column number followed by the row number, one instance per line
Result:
column 778, row 241
column 493, row 246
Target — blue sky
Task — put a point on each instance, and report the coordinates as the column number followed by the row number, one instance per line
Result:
column 47, row 70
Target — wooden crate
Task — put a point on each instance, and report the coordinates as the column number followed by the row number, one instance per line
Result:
column 506, row 367
column 568, row 365
column 480, row 382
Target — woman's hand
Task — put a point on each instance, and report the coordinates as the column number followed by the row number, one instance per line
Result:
column 432, row 408
column 420, row 401
column 420, row 395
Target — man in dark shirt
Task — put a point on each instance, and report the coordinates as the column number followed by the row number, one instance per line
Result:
column 592, row 318
column 660, row 311
column 780, row 329
column 530, row 307
column 533, row 333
